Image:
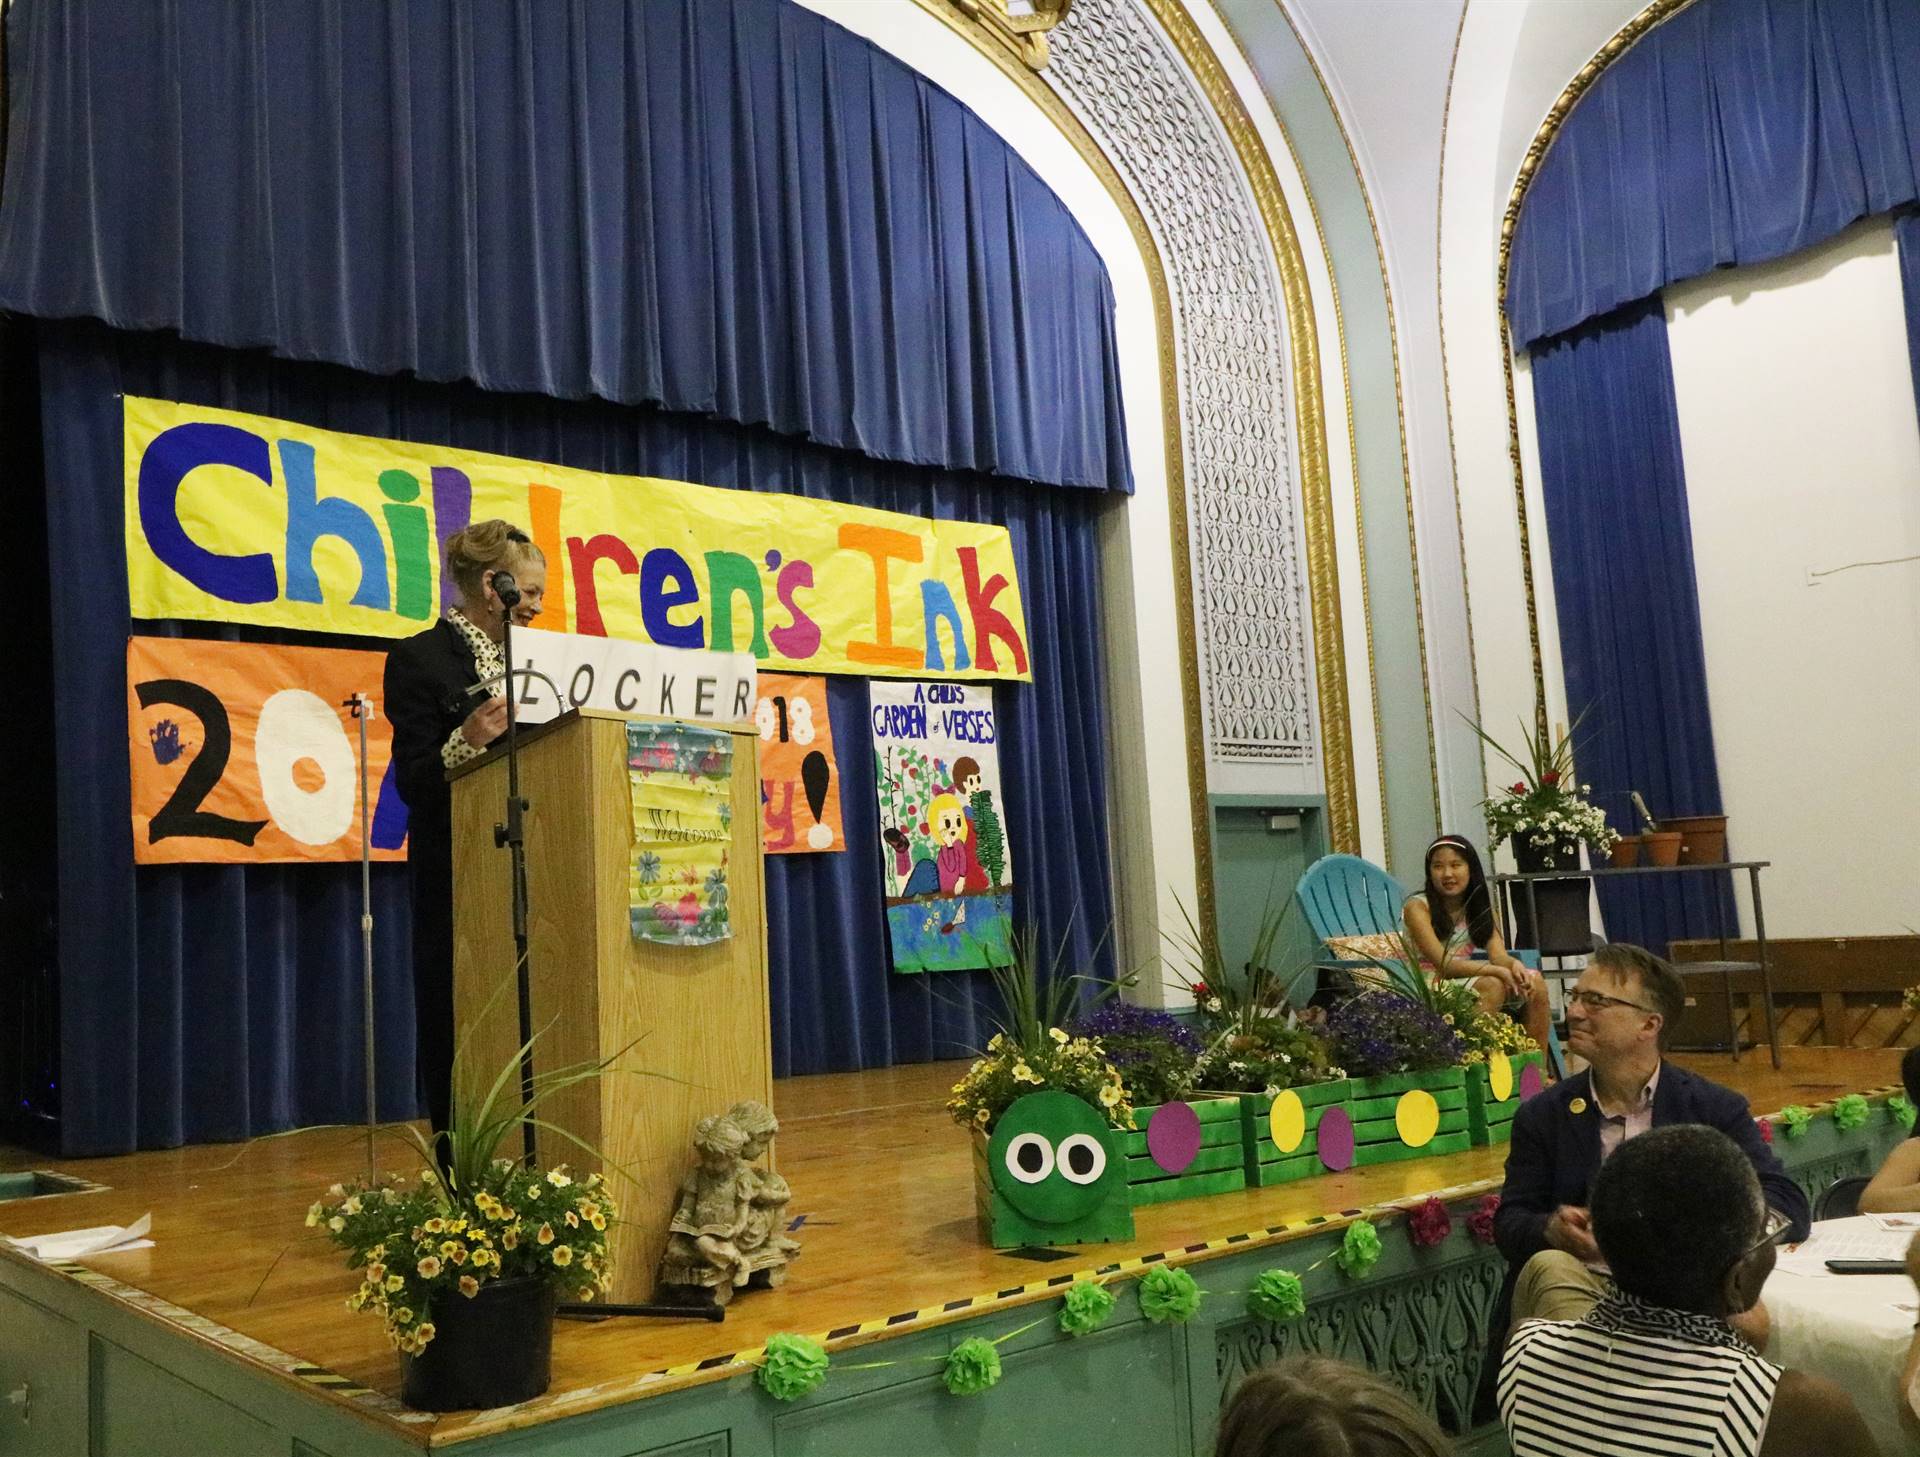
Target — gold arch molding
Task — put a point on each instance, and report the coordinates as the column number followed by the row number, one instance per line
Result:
column 1309, row 413
column 1623, row 40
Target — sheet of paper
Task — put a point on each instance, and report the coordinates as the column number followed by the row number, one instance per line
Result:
column 103, row 1239
column 1908, row 1222
column 1856, row 1241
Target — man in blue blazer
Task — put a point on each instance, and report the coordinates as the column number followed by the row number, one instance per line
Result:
column 1619, row 1017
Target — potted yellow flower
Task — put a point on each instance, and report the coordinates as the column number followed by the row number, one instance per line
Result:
column 1045, row 1109
column 466, row 1261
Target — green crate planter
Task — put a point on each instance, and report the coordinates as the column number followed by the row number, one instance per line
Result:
column 1376, row 1138
column 1220, row 1167
column 1490, row 1121
column 1004, row 1227
column 1266, row 1165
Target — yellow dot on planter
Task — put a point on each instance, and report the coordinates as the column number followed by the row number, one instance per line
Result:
column 1417, row 1118
column 1500, row 1078
column 1288, row 1120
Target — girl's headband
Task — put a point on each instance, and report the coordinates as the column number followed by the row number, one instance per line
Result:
column 1453, row 840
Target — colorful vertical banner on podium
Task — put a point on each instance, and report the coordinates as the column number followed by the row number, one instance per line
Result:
column 799, row 777
column 682, row 782
column 243, row 753
column 945, row 858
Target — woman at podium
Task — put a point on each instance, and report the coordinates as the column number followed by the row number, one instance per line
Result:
column 446, row 701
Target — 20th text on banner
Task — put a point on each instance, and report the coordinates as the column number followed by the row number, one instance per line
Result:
column 246, row 519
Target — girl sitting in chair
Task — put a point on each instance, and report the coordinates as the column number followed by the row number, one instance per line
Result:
column 1456, row 895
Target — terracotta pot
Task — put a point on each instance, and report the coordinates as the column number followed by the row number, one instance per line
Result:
column 1626, row 852
column 1663, row 847
column 1703, row 838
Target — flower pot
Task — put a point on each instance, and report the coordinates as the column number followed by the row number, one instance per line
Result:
column 1394, row 1117
column 1663, row 847
column 493, row 1350
column 1050, row 1210
column 1625, row 853
column 1165, row 1162
column 1703, row 838
column 1535, row 859
column 1287, row 1146
column 1489, row 1114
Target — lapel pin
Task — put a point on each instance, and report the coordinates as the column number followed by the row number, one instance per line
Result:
column 1578, row 1105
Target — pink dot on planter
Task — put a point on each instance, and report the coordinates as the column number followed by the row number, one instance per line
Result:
column 1530, row 1083
column 1173, row 1136
column 1336, row 1140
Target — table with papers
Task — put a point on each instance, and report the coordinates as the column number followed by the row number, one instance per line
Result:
column 1853, row 1329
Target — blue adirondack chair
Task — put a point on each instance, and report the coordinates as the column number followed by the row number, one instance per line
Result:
column 1344, row 895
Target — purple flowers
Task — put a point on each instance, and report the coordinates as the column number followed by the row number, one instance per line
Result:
column 1154, row 1052
column 1377, row 1033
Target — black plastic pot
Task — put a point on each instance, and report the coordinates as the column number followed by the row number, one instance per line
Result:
column 493, row 1350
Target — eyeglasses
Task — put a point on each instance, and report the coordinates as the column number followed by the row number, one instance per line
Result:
column 1776, row 1229
column 1597, row 1001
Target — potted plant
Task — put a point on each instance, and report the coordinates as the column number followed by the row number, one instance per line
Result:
column 1403, row 1051
column 1545, row 816
column 1046, row 1110
column 1179, row 1147
column 465, row 1261
column 1259, row 1050
column 1497, row 1057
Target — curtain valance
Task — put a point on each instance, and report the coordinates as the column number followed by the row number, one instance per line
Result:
column 738, row 210
column 1736, row 132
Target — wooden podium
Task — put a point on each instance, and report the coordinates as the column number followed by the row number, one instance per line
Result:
column 699, row 1012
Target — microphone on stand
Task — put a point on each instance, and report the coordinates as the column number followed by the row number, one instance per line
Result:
column 506, row 589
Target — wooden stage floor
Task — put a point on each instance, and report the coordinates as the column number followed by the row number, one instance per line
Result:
column 882, row 1186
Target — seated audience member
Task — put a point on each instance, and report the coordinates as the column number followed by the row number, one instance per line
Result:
column 1314, row 1406
column 1455, row 898
column 1619, row 1016
column 1896, row 1188
column 1655, row 1366
column 1910, row 1381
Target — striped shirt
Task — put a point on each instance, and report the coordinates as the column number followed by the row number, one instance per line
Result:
column 1634, row 1378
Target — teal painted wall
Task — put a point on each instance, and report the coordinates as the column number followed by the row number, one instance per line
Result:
column 1295, row 93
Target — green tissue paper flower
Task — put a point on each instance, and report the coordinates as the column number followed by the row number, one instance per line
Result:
column 1086, row 1309
column 1168, row 1294
column 1850, row 1112
column 1358, row 1251
column 972, row 1367
column 1900, row 1108
column 1277, row 1296
column 1796, row 1118
column 792, row 1366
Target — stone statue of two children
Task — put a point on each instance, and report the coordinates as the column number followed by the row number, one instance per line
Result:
column 728, row 1230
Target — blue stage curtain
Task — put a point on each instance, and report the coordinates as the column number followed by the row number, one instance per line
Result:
column 1906, row 234
column 217, row 1002
column 1626, row 600
column 1736, row 132
column 734, row 209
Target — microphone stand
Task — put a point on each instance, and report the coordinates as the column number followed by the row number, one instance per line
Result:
column 362, row 708
column 512, row 837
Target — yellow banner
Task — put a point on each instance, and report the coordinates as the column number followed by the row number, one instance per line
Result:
column 241, row 518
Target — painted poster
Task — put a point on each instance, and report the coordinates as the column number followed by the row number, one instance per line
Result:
column 947, row 864
column 799, row 778
column 244, row 752
column 243, row 518
column 682, row 831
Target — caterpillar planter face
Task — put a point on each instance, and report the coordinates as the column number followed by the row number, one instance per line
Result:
column 1055, row 1174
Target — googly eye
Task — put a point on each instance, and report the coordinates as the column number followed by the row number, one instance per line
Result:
column 1030, row 1158
column 1083, row 1158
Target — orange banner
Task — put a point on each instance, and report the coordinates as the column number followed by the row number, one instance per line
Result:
column 246, row 752
column 799, row 776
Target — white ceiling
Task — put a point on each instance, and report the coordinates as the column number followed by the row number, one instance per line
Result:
column 1386, row 63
